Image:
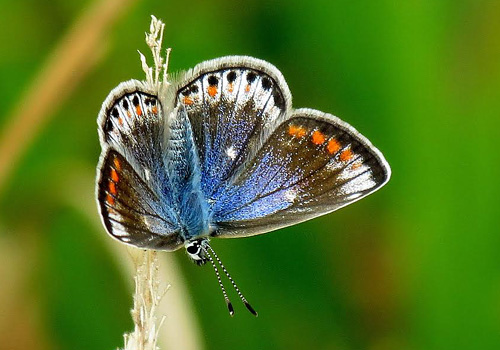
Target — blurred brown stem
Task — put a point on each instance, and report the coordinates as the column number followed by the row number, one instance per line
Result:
column 75, row 55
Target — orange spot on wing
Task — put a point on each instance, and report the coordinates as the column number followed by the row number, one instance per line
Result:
column 110, row 199
column 247, row 88
column 129, row 114
column 117, row 164
column 154, row 109
column 230, row 87
column 138, row 110
column 120, row 121
column 296, row 131
column 346, row 155
column 318, row 138
column 114, row 175
column 356, row 166
column 112, row 187
column 188, row 100
column 212, row 90
column 333, row 146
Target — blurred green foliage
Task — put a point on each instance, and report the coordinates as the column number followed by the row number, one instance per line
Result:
column 414, row 266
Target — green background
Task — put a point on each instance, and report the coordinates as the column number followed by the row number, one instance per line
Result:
column 415, row 266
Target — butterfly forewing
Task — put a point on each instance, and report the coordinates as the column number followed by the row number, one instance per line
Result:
column 312, row 164
column 229, row 101
column 131, row 211
column 132, row 121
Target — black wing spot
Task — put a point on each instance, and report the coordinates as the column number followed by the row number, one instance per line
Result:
column 251, row 77
column 149, row 101
column 343, row 137
column 135, row 100
column 266, row 83
column 108, row 127
column 125, row 104
column 231, row 76
column 212, row 80
column 279, row 101
column 115, row 113
column 194, row 89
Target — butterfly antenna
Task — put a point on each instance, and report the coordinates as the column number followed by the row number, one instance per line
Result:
column 228, row 302
column 242, row 297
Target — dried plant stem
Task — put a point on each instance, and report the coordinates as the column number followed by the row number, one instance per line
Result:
column 148, row 294
column 157, row 77
column 180, row 330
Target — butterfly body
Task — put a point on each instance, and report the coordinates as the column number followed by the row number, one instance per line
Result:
column 222, row 153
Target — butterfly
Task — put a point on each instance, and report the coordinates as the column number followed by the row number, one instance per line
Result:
column 221, row 153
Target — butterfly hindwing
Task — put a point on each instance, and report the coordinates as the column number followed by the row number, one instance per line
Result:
column 312, row 164
column 229, row 102
column 131, row 211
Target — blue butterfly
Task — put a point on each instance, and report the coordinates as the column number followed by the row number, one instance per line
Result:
column 222, row 153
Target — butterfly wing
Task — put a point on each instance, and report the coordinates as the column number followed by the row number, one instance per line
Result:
column 130, row 210
column 132, row 121
column 134, row 193
column 312, row 164
column 229, row 101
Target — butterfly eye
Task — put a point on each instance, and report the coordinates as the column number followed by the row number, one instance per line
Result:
column 196, row 252
column 193, row 248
